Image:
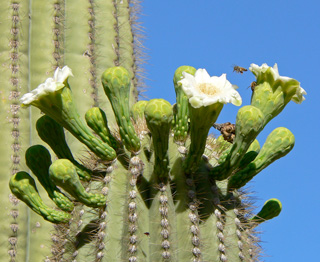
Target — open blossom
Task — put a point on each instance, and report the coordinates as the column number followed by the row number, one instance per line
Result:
column 49, row 86
column 203, row 90
column 271, row 75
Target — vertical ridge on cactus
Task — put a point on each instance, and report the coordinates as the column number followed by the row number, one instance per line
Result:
column 56, row 29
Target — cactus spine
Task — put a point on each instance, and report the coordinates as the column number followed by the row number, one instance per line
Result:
column 158, row 188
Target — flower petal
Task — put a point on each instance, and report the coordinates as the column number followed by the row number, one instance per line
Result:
column 202, row 75
column 203, row 90
column 49, row 86
column 60, row 75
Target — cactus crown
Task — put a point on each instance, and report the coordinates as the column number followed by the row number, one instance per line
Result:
column 156, row 191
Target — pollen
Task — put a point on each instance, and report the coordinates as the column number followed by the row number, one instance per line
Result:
column 208, row 89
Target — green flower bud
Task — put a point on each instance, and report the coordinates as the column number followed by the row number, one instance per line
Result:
column 278, row 144
column 181, row 116
column 270, row 209
column 97, row 121
column 24, row 188
column 273, row 92
column 159, row 115
column 63, row 173
column 54, row 98
column 137, row 110
column 249, row 123
column 52, row 133
column 38, row 159
column 116, row 83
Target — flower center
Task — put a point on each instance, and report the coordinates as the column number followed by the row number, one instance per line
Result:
column 207, row 89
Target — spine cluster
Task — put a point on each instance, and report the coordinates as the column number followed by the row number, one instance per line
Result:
column 15, row 120
column 91, row 53
column 135, row 169
column 58, row 33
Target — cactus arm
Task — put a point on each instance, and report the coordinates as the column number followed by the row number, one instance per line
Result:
column 23, row 187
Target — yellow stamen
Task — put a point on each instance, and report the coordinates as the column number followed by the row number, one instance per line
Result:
column 207, row 89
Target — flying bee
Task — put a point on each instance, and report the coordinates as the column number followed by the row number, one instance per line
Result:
column 239, row 69
column 253, row 85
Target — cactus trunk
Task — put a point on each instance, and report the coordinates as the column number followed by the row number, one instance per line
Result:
column 150, row 185
column 38, row 36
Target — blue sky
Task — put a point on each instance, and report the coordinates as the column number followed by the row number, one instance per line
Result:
column 215, row 35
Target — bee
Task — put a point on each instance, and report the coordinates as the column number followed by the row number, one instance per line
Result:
column 253, row 85
column 239, row 69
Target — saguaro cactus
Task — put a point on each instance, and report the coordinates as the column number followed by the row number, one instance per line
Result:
column 154, row 193
column 153, row 187
column 36, row 37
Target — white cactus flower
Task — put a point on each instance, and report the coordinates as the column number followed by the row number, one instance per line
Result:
column 289, row 85
column 203, row 90
column 258, row 70
column 49, row 86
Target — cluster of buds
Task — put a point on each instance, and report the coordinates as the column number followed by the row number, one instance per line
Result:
column 163, row 167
